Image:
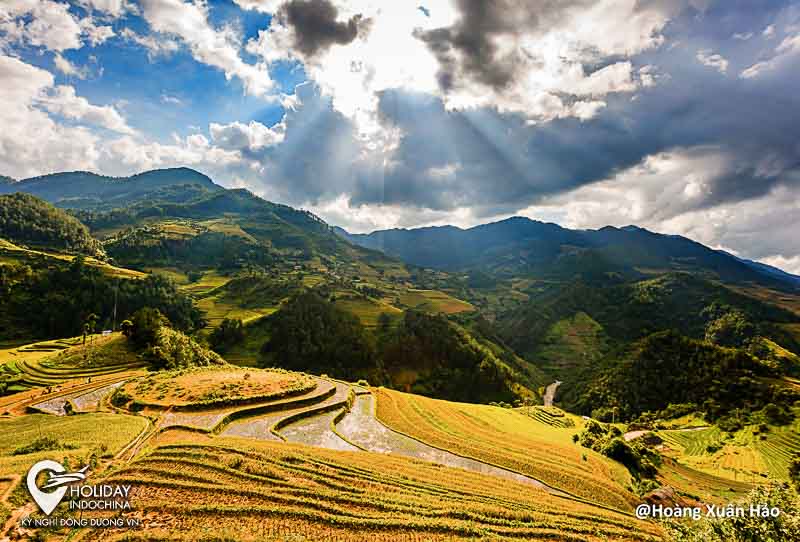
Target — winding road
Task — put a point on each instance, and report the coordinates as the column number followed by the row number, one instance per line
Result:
column 550, row 393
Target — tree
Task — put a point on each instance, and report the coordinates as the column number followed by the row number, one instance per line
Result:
column 794, row 471
column 127, row 328
column 732, row 329
column 384, row 321
column 227, row 334
column 310, row 333
column 146, row 323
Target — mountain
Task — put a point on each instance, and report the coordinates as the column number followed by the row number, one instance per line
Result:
column 85, row 190
column 522, row 247
column 769, row 270
column 6, row 181
column 28, row 220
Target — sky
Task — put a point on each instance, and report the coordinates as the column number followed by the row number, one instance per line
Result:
column 680, row 116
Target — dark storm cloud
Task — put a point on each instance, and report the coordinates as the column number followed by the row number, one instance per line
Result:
column 497, row 163
column 467, row 51
column 316, row 25
column 502, row 164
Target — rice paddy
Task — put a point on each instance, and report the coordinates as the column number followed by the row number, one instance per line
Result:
column 433, row 301
column 236, row 489
column 213, row 386
column 508, row 439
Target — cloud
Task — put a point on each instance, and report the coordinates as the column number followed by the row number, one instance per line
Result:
column 253, row 136
column 97, row 35
column 316, row 27
column 68, row 68
column 31, row 142
column 665, row 193
column 215, row 47
column 40, row 23
column 708, row 58
column 156, row 45
column 788, row 48
column 62, row 100
column 171, row 100
column 113, row 8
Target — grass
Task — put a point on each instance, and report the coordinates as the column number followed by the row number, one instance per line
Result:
column 203, row 488
column 552, row 416
column 433, row 301
column 101, row 433
column 571, row 344
column 209, row 281
column 746, row 456
column 509, row 439
column 367, row 310
column 216, row 310
column 10, row 253
column 214, row 386
column 51, row 363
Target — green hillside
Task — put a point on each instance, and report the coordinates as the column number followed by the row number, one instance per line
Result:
column 85, row 190
column 666, row 368
column 25, row 219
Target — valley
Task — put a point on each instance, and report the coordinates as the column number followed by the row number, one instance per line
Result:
column 256, row 374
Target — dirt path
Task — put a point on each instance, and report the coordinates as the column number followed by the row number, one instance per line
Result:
column 13, row 522
column 550, row 393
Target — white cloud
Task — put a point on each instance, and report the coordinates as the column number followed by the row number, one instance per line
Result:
column 743, row 36
column 156, row 45
column 790, row 264
column 97, row 35
column 171, row 100
column 114, row 8
column 31, row 142
column 215, row 47
column 62, row 100
column 787, row 48
column 769, row 31
column 68, row 68
column 253, row 136
column 714, row 60
column 48, row 24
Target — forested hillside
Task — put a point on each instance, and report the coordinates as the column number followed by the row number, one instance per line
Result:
column 423, row 353
column 25, row 219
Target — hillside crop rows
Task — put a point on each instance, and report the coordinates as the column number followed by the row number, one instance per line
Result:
column 267, row 491
column 508, row 439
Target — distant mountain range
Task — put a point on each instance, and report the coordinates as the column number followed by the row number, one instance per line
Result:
column 513, row 247
column 82, row 189
column 520, row 246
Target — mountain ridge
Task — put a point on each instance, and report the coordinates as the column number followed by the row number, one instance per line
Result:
column 529, row 245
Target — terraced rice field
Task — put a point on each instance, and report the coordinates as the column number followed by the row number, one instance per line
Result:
column 700, row 485
column 317, row 431
column 52, row 363
column 82, row 401
column 693, row 443
column 777, row 450
column 508, row 439
column 101, row 433
column 211, row 386
column 266, row 426
column 225, row 418
column 552, row 416
column 239, row 489
column 434, row 301
column 361, row 428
